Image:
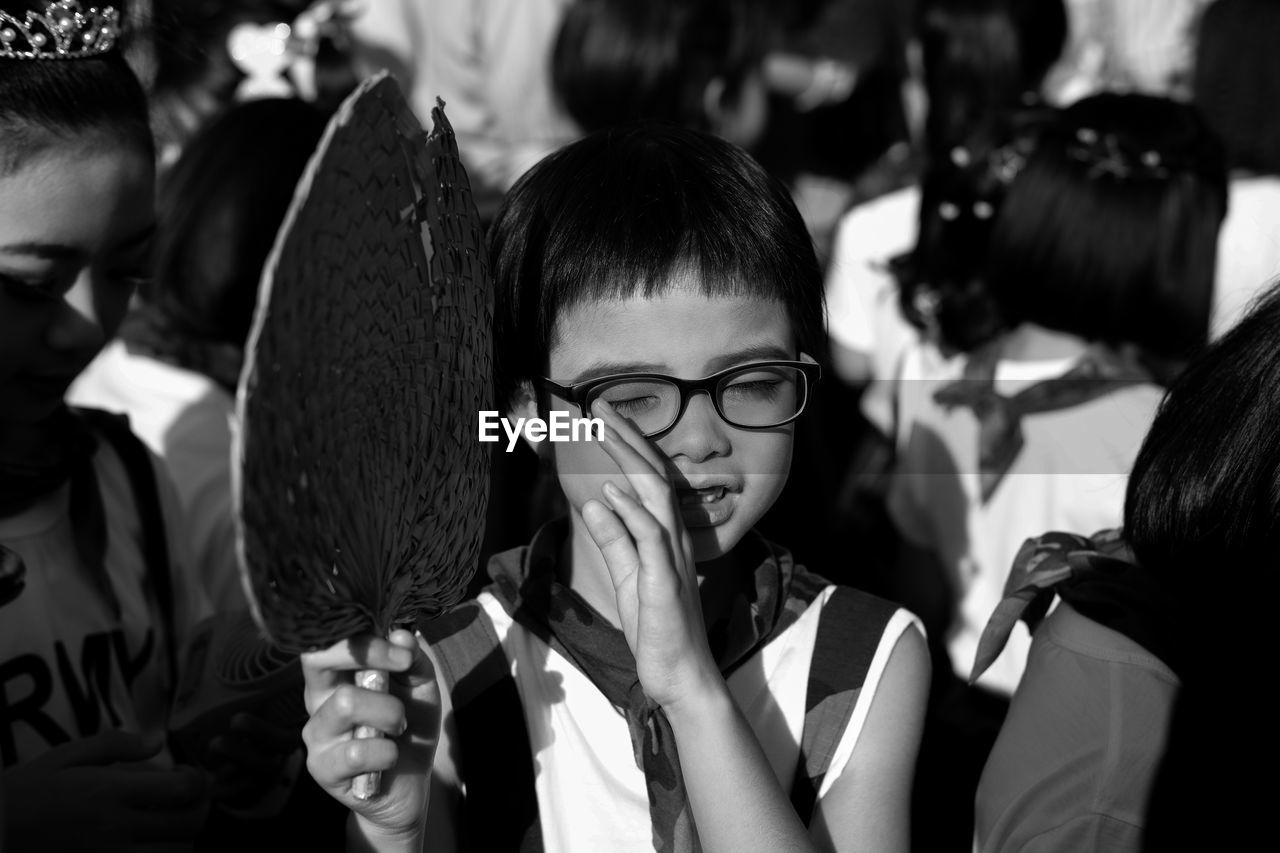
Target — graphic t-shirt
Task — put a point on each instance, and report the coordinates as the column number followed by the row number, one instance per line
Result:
column 80, row 653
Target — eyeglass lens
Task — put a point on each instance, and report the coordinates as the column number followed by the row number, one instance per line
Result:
column 756, row 397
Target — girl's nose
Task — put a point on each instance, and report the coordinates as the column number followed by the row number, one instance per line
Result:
column 700, row 433
column 77, row 324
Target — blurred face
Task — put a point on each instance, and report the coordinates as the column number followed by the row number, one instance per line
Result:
column 75, row 229
column 725, row 477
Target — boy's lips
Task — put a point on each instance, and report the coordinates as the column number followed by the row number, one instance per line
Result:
column 708, row 505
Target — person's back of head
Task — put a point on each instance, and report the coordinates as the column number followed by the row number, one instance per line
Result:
column 1205, row 489
column 982, row 57
column 220, row 206
column 625, row 211
column 1237, row 80
column 941, row 281
column 1110, row 232
column 695, row 63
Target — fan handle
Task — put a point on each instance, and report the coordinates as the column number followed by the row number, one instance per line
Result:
column 366, row 785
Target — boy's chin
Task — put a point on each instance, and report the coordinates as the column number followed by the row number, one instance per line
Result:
column 712, row 543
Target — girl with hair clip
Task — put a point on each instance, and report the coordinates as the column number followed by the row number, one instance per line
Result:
column 94, row 595
column 1141, row 702
column 979, row 61
column 1101, row 267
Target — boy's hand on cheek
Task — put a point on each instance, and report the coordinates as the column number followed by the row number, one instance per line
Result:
column 650, row 559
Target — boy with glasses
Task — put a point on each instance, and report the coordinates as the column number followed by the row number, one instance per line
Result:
column 648, row 673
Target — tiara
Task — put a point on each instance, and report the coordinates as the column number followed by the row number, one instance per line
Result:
column 65, row 30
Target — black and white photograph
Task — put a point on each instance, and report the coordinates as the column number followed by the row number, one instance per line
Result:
column 638, row 426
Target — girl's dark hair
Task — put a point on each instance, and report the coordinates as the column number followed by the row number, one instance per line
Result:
column 983, row 57
column 1205, row 489
column 1237, row 80
column 1110, row 232
column 942, row 281
column 624, row 211
column 620, row 60
column 44, row 102
column 220, row 206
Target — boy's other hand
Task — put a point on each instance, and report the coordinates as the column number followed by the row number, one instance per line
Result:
column 644, row 542
column 409, row 715
column 104, row 793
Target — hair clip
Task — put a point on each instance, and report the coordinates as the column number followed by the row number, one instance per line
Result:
column 65, row 30
column 1104, row 154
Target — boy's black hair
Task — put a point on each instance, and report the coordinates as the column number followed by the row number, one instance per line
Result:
column 982, row 57
column 620, row 60
column 1110, row 232
column 624, row 210
column 1237, row 80
column 43, row 102
column 1205, row 489
column 222, row 204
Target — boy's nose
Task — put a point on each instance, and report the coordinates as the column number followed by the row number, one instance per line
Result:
column 699, row 434
column 77, row 324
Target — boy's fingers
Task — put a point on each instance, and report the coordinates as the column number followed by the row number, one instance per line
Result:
column 337, row 765
column 349, row 706
column 640, row 455
column 359, row 653
column 613, row 540
column 652, row 542
column 326, row 669
column 420, row 671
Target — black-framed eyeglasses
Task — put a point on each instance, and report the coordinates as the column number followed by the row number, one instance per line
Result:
column 760, row 395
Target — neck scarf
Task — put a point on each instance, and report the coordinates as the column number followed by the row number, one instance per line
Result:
column 150, row 331
column 1097, row 575
column 527, row 587
column 1101, row 371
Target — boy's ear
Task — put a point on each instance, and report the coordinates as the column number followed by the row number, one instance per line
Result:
column 524, row 404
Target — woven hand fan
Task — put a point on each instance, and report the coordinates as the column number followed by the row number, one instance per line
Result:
column 362, row 485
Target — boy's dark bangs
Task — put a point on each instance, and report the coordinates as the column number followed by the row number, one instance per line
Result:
column 678, row 212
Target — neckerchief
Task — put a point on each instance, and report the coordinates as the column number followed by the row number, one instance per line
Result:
column 527, row 587
column 1100, row 371
column 150, row 331
column 63, row 454
column 1097, row 575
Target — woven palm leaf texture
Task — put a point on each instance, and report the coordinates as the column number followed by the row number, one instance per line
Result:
column 361, row 484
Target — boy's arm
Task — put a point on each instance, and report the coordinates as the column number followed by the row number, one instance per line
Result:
column 869, row 806
column 739, row 805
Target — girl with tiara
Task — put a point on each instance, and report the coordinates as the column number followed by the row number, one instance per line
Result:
column 93, row 593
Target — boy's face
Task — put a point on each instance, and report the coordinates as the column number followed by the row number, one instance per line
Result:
column 689, row 335
column 75, row 227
